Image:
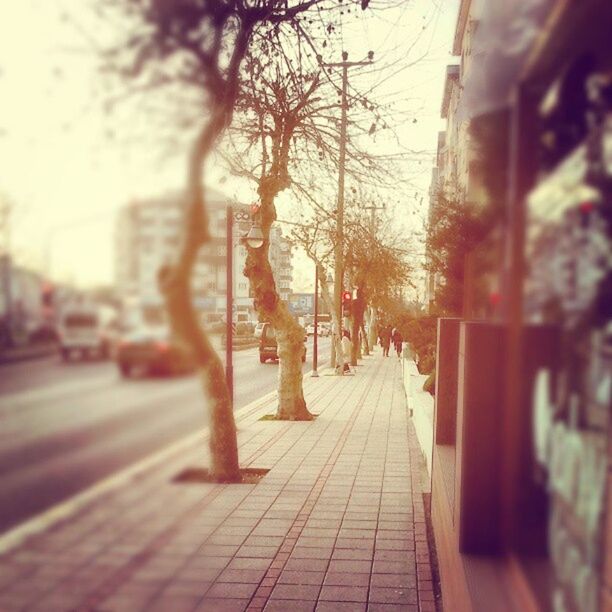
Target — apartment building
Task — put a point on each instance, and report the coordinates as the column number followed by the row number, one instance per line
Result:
column 147, row 237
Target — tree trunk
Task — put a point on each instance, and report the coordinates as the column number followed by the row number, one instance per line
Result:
column 174, row 282
column 364, row 339
column 289, row 333
column 373, row 324
column 337, row 335
column 356, row 324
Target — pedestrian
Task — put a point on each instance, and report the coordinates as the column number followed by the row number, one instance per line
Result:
column 398, row 340
column 386, row 340
column 346, row 349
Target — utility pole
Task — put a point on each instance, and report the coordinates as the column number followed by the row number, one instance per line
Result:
column 373, row 210
column 338, row 263
column 229, row 303
column 315, row 343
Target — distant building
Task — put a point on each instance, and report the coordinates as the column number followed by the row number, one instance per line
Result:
column 456, row 174
column 280, row 260
column 301, row 303
column 147, row 236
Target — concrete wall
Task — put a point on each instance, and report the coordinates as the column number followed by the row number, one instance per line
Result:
column 421, row 405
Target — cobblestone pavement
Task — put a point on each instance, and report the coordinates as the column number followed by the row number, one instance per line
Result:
column 337, row 523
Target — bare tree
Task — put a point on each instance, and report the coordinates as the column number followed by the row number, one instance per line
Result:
column 200, row 44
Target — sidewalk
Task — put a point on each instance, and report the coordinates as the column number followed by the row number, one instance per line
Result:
column 337, row 523
column 23, row 353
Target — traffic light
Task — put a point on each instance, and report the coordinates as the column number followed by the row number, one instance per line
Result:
column 347, row 303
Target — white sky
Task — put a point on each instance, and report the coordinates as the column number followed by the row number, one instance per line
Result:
column 67, row 179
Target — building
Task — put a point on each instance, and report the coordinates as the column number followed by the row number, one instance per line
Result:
column 280, row 260
column 522, row 471
column 457, row 173
column 147, row 236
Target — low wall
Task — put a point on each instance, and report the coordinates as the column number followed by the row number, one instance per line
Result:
column 421, row 405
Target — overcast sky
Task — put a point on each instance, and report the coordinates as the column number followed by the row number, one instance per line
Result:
column 67, row 177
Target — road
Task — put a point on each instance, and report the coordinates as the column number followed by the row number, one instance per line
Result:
column 64, row 427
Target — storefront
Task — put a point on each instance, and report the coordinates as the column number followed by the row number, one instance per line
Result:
column 521, row 478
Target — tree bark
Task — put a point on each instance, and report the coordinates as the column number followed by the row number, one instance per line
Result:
column 174, row 281
column 289, row 333
column 336, row 335
column 356, row 324
column 364, row 339
column 373, row 324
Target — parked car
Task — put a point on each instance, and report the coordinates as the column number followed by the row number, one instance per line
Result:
column 86, row 330
column 268, row 348
column 151, row 351
column 323, row 329
column 258, row 330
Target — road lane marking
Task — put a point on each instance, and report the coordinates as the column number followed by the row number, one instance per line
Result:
column 14, row 537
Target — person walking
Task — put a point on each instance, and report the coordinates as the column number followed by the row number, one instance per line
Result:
column 398, row 341
column 346, row 349
column 386, row 340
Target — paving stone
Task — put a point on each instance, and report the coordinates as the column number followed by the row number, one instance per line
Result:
column 284, row 605
column 335, row 606
column 300, row 577
column 308, row 592
column 343, row 593
column 339, row 513
column 233, row 590
column 393, row 595
column 212, row 604
column 347, row 579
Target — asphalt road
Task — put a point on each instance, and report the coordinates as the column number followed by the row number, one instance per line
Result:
column 64, row 427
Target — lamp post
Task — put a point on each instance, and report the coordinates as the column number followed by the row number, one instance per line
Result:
column 332, row 360
column 255, row 240
column 315, row 343
column 229, row 302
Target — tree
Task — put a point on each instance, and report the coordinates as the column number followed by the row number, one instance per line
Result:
column 376, row 268
column 274, row 104
column 200, row 44
column 374, row 264
column 285, row 125
column 318, row 243
column 456, row 228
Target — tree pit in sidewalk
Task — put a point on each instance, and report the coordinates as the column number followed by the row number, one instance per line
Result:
column 195, row 475
column 275, row 417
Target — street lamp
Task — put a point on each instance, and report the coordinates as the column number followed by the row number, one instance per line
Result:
column 255, row 240
column 315, row 341
column 332, row 359
column 255, row 237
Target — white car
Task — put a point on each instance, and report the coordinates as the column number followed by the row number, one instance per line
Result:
column 310, row 330
column 258, row 330
column 86, row 331
column 325, row 329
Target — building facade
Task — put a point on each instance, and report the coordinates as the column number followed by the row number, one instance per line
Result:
column 147, row 237
column 522, row 461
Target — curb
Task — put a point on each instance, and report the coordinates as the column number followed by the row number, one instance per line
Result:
column 14, row 537
column 27, row 354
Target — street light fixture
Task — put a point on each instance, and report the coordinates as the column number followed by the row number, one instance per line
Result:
column 255, row 240
column 315, row 340
column 255, row 237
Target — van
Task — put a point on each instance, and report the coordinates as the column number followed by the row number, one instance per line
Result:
column 85, row 330
column 268, row 347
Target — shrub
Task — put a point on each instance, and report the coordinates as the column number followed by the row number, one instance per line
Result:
column 430, row 383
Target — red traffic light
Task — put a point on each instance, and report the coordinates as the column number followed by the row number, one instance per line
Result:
column 346, row 296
